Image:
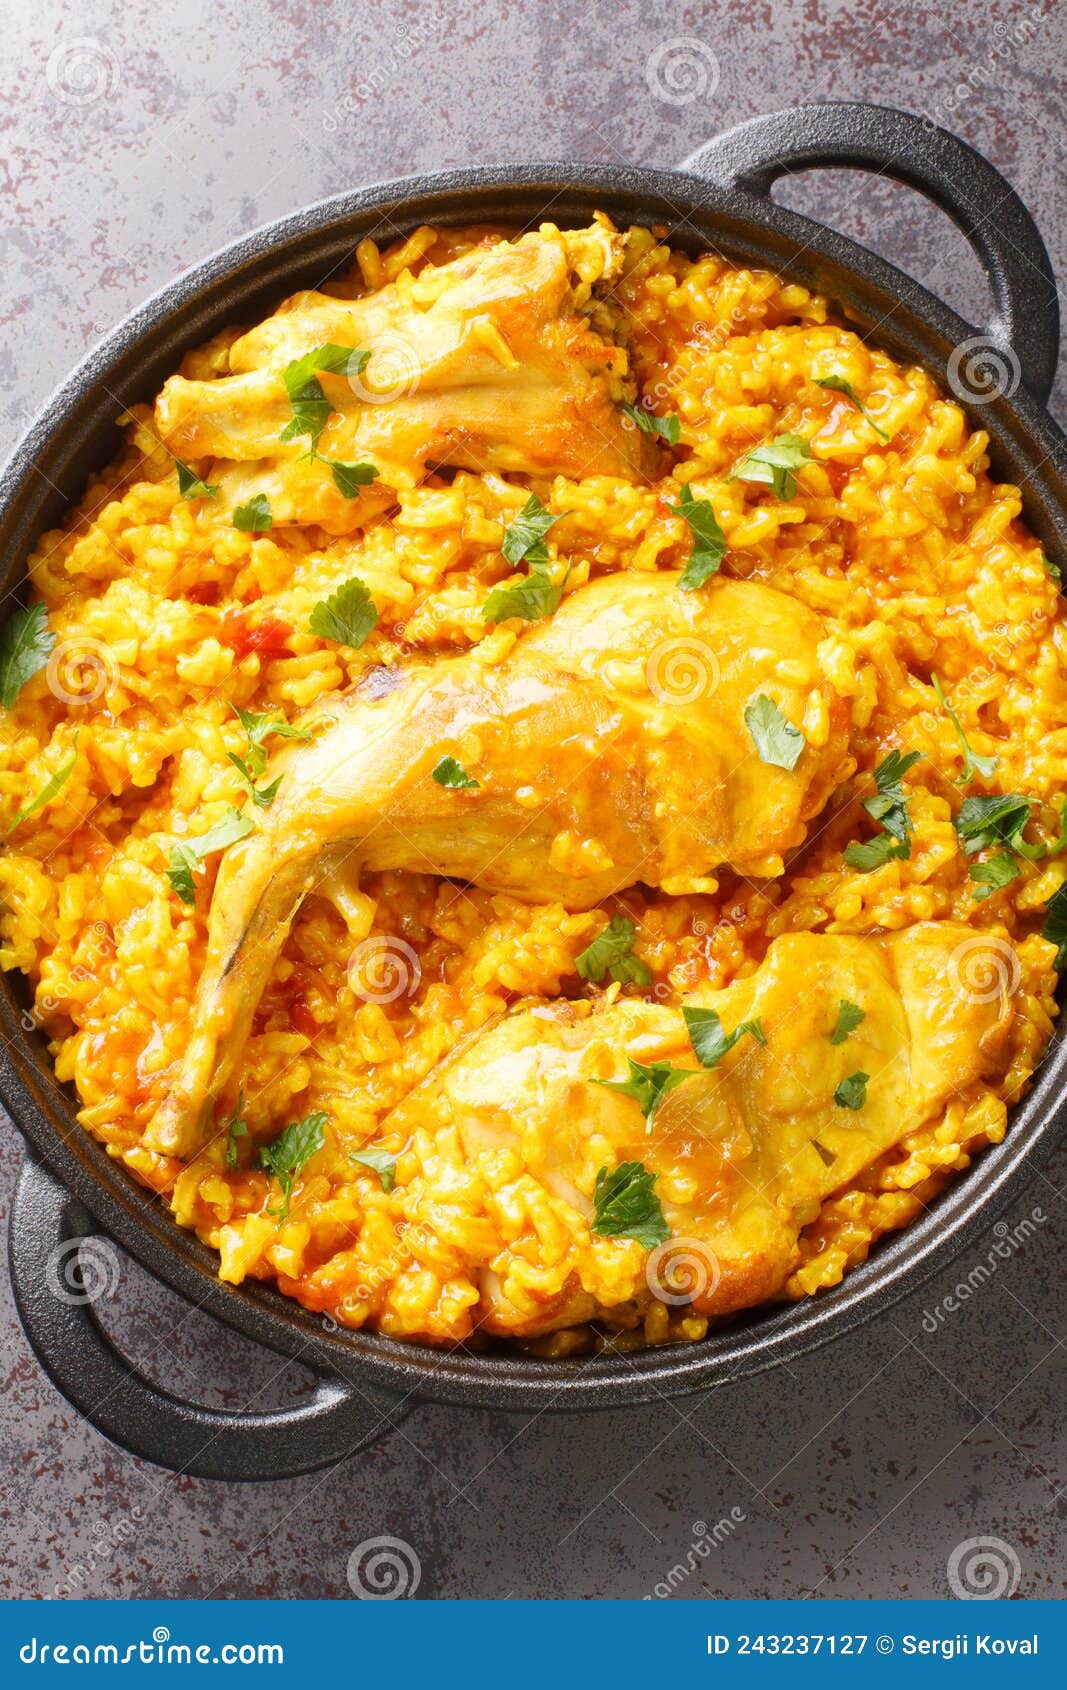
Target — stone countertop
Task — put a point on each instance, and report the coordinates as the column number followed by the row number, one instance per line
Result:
column 137, row 139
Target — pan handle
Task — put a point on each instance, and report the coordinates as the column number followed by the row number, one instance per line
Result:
column 59, row 1264
column 1025, row 326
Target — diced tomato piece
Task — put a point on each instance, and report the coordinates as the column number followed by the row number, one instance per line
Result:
column 269, row 637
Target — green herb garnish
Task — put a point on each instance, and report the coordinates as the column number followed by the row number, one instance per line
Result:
column 648, row 1083
column 524, row 537
column 709, row 1038
column 253, row 765
column 1052, row 570
column 985, row 766
column 1055, row 928
column 349, row 478
column 311, row 408
column 50, row 787
column 888, row 806
column 849, row 1016
column 254, row 517
column 776, row 740
column 26, row 643
column 775, row 464
column 669, row 428
column 190, row 485
column 236, row 1127
column 998, row 872
column 188, row 854
column 448, row 772
column 348, row 616
column 533, row 598
column 709, row 541
column 382, row 1162
column 611, row 952
column 290, row 1153
column 996, row 819
column 852, row 1092
column 626, row 1206
column 838, row 384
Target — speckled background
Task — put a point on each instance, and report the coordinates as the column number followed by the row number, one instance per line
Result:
column 138, row 137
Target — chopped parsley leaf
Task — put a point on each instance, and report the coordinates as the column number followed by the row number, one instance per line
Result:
column 188, row 854
column 533, row 598
column 448, row 772
column 849, row 1016
column 668, row 428
column 525, row 536
column 290, row 1153
column 648, row 1083
column 348, row 616
column 310, row 406
column 236, row 1127
column 889, row 806
column 709, row 541
column 985, row 766
column 26, row 643
column 996, row 819
column 382, row 1162
column 838, row 384
column 611, row 952
column 349, row 478
column 190, row 485
column 775, row 464
column 1052, row 570
column 1055, row 928
column 50, row 788
column 998, row 872
column 625, row 1205
column 253, row 765
column 254, row 517
column 709, row 1038
column 852, row 1091
column 776, row 740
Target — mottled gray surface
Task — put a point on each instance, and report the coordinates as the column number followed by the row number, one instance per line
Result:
column 137, row 138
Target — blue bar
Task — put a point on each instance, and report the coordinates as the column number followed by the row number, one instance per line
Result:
column 538, row 1645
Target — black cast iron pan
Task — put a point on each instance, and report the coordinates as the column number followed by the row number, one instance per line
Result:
column 69, row 1188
